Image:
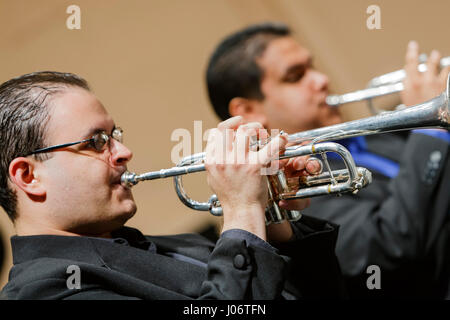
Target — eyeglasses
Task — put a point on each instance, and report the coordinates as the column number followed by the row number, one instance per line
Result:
column 97, row 142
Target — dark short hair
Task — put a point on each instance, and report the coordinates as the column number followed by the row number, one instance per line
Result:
column 23, row 118
column 232, row 69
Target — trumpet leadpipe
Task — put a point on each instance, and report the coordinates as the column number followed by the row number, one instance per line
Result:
column 130, row 179
column 336, row 100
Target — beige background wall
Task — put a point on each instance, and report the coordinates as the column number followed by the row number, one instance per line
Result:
column 145, row 60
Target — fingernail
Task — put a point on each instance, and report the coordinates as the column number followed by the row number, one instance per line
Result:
column 282, row 203
column 313, row 167
column 412, row 44
column 434, row 55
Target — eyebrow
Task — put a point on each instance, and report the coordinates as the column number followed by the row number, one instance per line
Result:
column 95, row 130
column 298, row 66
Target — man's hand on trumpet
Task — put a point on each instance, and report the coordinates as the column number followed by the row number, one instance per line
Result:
column 422, row 86
column 293, row 167
column 235, row 172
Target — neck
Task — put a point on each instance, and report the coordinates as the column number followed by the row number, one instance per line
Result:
column 37, row 228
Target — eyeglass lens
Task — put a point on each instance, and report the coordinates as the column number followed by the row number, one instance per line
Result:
column 101, row 138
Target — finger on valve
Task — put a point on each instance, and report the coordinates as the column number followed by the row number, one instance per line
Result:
column 272, row 150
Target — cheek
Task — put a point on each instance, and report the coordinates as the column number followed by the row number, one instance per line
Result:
column 80, row 179
column 292, row 104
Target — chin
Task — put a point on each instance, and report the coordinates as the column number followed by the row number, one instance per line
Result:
column 123, row 211
column 129, row 210
column 333, row 121
column 332, row 118
column 120, row 219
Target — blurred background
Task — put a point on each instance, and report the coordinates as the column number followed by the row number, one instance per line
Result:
column 146, row 59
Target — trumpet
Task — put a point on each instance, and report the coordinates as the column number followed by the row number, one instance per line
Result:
column 385, row 84
column 434, row 113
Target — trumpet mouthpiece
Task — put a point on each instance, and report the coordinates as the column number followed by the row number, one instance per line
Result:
column 128, row 179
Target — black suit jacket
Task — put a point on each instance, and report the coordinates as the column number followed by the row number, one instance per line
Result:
column 304, row 267
column 400, row 224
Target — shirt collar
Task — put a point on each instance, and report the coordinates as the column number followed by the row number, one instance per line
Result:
column 26, row 248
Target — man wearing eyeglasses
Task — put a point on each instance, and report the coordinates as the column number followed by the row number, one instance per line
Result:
column 62, row 157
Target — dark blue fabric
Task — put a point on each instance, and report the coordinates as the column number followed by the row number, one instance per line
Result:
column 443, row 135
column 364, row 158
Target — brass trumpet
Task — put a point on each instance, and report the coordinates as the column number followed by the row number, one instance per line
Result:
column 434, row 113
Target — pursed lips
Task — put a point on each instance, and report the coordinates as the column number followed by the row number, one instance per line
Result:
column 117, row 178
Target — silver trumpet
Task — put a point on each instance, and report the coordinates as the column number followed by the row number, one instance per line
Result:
column 434, row 113
column 385, row 84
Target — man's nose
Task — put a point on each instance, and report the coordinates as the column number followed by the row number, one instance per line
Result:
column 320, row 81
column 120, row 154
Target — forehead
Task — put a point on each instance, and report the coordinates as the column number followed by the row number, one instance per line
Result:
column 281, row 54
column 73, row 113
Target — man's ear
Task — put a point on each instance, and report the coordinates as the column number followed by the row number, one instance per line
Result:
column 22, row 173
column 251, row 110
